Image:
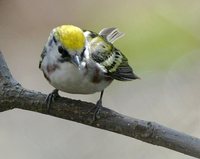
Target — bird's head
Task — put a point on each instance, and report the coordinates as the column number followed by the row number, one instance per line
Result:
column 68, row 42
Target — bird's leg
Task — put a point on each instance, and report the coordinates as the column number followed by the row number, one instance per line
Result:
column 51, row 98
column 98, row 106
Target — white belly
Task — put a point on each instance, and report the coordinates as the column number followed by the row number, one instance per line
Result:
column 70, row 79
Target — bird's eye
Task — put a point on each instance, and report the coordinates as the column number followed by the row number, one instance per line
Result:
column 64, row 53
column 60, row 49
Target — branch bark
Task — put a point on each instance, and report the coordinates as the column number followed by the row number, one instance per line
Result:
column 13, row 95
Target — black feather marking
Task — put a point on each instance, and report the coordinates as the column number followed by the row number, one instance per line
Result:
column 54, row 39
column 123, row 72
column 44, row 52
column 93, row 35
column 65, row 56
column 40, row 63
column 99, row 56
column 82, row 54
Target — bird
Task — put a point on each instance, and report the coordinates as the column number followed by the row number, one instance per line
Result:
column 80, row 61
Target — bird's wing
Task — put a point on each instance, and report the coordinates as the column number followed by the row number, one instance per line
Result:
column 108, row 58
column 120, row 69
column 115, row 64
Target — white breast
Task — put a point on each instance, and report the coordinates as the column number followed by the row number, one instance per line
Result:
column 70, row 79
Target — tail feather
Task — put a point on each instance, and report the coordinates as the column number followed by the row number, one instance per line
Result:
column 111, row 34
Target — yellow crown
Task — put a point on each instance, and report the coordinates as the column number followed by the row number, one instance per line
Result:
column 71, row 37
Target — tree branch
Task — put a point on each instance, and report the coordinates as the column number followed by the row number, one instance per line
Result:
column 13, row 95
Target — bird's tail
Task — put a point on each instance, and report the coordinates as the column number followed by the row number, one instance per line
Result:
column 111, row 34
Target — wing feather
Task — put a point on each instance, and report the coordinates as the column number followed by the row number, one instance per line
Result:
column 111, row 34
column 112, row 62
column 122, row 70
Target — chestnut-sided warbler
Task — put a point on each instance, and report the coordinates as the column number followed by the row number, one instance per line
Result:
column 83, row 62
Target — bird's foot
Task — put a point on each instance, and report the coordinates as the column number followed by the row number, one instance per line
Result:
column 96, row 109
column 51, row 98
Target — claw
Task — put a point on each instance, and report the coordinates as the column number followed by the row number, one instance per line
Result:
column 51, row 98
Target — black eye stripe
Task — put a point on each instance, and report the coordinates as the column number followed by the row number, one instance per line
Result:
column 64, row 53
column 60, row 49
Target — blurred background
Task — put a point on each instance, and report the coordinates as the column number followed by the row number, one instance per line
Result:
column 162, row 44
